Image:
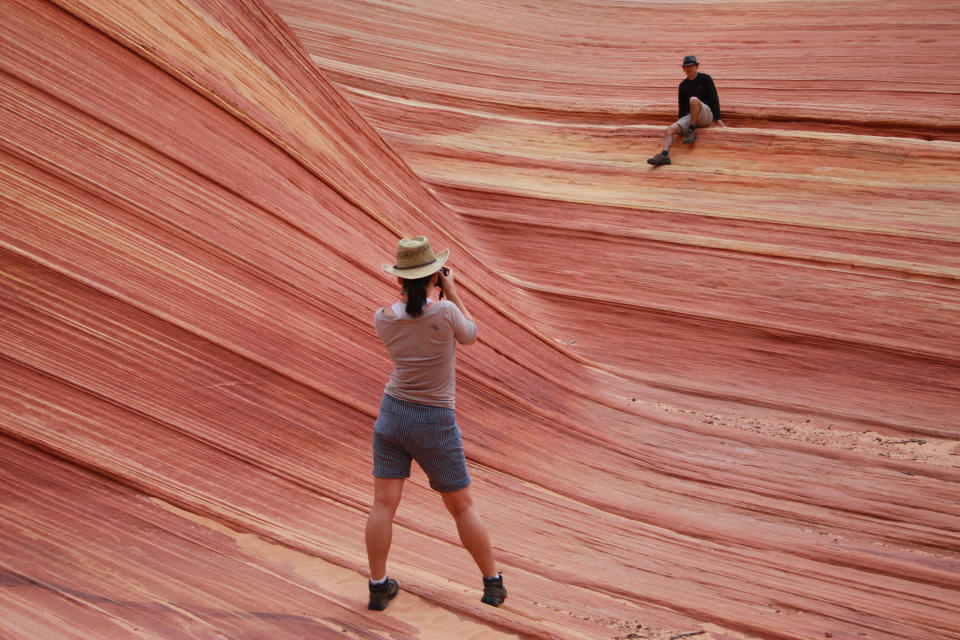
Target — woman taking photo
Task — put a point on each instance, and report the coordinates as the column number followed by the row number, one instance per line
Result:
column 417, row 419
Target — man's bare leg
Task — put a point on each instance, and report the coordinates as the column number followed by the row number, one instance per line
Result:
column 695, row 108
column 672, row 130
column 664, row 156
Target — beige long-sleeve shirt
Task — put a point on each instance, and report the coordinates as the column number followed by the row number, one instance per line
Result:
column 424, row 351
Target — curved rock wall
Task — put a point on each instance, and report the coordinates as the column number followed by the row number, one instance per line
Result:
column 719, row 396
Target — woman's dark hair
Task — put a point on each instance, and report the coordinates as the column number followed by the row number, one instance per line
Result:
column 416, row 294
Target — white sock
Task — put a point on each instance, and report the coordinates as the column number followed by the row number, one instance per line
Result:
column 380, row 581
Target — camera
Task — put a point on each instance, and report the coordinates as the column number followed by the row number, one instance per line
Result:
column 443, row 272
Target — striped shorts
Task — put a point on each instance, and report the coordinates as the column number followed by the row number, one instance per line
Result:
column 406, row 431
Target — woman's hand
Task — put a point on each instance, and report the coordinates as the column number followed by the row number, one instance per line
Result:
column 447, row 283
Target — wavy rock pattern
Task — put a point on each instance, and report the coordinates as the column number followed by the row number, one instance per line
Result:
column 719, row 396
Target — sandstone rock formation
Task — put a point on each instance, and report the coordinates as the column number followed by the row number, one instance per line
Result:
column 717, row 397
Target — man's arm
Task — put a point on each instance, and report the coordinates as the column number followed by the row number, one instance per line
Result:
column 683, row 100
column 714, row 102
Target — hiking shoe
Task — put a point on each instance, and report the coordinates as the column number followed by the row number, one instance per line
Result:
column 494, row 592
column 659, row 159
column 691, row 136
column 381, row 594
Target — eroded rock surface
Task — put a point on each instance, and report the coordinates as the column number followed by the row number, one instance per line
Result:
column 718, row 396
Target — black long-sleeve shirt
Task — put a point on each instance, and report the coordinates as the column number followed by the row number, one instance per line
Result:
column 701, row 87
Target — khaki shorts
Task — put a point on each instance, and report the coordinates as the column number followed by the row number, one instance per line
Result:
column 706, row 117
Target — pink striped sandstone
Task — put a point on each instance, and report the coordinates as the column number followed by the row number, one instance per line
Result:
column 718, row 396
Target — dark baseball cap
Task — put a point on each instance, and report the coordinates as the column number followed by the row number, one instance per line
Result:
column 688, row 60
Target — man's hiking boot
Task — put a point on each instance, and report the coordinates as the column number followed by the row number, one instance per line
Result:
column 659, row 159
column 494, row 592
column 691, row 136
column 381, row 594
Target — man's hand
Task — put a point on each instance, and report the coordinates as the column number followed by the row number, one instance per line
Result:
column 719, row 123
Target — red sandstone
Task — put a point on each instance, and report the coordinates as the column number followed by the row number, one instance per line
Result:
column 719, row 396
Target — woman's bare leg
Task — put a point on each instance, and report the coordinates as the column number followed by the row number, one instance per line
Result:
column 379, row 532
column 473, row 534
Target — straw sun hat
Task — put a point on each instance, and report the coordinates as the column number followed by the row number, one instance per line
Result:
column 416, row 259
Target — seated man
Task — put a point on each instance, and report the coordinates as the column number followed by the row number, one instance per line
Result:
column 699, row 106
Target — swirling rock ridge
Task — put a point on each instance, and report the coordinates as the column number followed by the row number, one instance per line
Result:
column 715, row 397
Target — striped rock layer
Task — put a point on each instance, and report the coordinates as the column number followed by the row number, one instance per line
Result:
column 717, row 399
